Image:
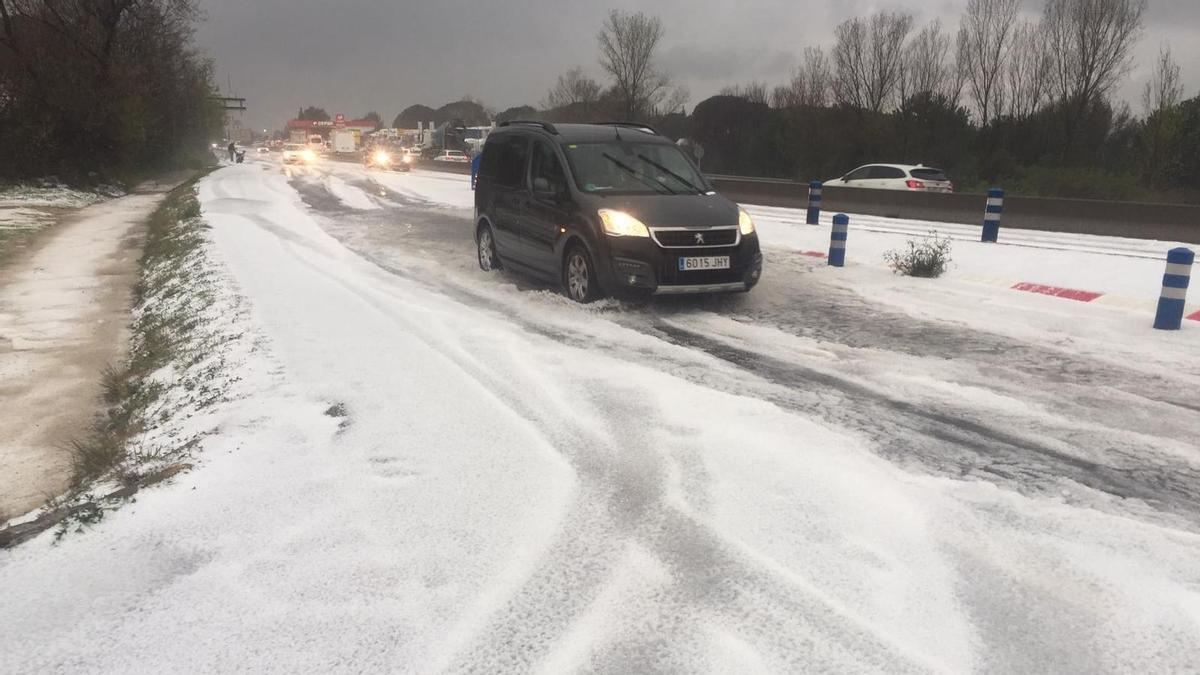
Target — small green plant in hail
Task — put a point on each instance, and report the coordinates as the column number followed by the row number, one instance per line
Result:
column 927, row 258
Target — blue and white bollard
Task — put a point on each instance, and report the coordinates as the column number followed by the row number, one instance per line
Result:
column 991, row 216
column 814, row 202
column 837, row 240
column 1174, row 289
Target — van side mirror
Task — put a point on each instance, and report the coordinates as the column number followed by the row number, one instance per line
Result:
column 542, row 186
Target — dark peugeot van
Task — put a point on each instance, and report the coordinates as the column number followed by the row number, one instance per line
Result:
column 607, row 209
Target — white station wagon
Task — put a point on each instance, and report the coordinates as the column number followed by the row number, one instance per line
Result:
column 457, row 156
column 895, row 177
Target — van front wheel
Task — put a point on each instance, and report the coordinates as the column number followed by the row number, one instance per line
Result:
column 579, row 276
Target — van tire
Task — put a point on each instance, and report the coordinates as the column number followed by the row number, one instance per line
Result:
column 579, row 275
column 485, row 248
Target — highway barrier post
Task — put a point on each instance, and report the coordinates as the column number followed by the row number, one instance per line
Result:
column 814, row 202
column 991, row 215
column 1174, row 289
column 837, row 240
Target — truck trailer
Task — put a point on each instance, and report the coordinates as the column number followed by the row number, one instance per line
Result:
column 343, row 141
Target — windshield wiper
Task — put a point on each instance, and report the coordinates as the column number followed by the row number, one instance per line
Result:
column 672, row 174
column 659, row 187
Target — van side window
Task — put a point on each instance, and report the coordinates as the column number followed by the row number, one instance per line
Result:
column 490, row 163
column 510, row 169
column 545, row 165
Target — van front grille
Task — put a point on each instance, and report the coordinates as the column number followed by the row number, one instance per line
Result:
column 697, row 238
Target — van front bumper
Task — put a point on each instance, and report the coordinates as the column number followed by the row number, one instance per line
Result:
column 641, row 266
column 681, row 289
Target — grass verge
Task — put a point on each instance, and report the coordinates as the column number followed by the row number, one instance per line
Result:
column 176, row 369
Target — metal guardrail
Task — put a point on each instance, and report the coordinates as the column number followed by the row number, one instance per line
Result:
column 1135, row 220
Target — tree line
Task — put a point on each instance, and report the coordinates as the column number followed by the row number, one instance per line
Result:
column 1001, row 100
column 102, row 88
column 998, row 99
column 639, row 90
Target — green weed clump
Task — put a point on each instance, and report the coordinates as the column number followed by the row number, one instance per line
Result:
column 927, row 258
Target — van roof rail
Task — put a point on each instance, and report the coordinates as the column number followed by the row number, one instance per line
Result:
column 631, row 125
column 537, row 123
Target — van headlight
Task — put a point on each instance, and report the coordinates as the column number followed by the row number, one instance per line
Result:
column 745, row 222
column 621, row 224
column 382, row 157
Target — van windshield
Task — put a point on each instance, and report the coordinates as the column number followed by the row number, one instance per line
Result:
column 622, row 167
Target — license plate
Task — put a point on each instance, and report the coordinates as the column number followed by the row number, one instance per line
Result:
column 712, row 262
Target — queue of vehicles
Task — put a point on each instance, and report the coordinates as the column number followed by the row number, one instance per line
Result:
column 378, row 156
column 606, row 209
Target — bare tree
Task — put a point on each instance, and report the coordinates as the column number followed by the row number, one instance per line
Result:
column 675, row 100
column 1160, row 98
column 868, row 61
column 754, row 92
column 1164, row 89
column 987, row 33
column 573, row 87
column 1092, row 41
column 959, row 70
column 627, row 46
column 925, row 61
column 849, row 58
column 1027, row 76
column 811, row 84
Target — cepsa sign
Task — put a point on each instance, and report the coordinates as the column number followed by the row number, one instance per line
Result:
column 339, row 120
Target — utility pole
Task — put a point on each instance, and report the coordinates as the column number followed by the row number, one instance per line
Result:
column 229, row 104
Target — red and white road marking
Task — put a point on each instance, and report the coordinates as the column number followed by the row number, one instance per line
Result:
column 1068, row 293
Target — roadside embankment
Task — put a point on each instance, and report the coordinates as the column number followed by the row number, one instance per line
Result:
column 64, row 314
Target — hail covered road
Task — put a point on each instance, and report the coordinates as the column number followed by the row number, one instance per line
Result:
column 1072, row 434
column 798, row 479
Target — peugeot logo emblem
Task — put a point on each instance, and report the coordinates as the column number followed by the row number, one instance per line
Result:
column 699, row 238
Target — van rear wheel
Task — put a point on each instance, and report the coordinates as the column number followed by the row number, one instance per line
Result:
column 579, row 276
column 488, row 260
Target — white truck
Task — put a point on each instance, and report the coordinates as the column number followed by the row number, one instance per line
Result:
column 343, row 141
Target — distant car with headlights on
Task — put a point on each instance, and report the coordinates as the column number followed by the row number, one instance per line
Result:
column 296, row 153
column 895, row 177
column 380, row 157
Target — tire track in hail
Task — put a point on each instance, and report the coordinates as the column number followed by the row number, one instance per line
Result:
column 982, row 449
column 941, row 442
column 621, row 502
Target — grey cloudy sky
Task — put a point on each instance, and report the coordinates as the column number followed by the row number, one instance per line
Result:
column 352, row 56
